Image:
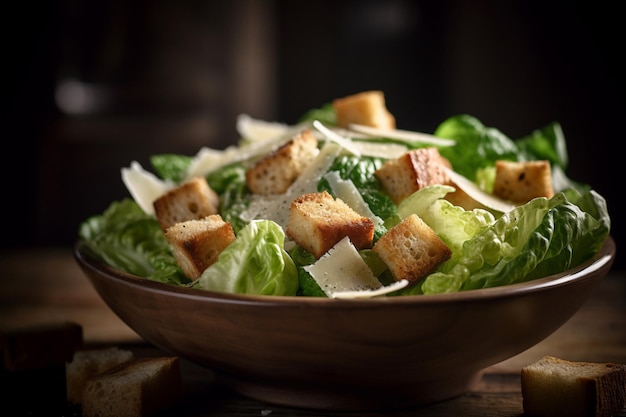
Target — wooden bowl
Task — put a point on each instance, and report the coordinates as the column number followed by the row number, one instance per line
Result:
column 365, row 354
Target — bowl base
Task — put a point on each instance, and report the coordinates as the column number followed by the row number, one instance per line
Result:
column 357, row 396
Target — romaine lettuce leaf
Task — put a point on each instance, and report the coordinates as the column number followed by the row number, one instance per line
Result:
column 477, row 146
column 453, row 224
column 230, row 183
column 128, row 239
column 171, row 166
column 540, row 238
column 255, row 263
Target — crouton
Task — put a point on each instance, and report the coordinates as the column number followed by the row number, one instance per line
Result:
column 277, row 171
column 88, row 363
column 411, row 172
column 411, row 249
column 366, row 108
column 557, row 387
column 520, row 182
column 317, row 222
column 138, row 388
column 197, row 243
column 193, row 199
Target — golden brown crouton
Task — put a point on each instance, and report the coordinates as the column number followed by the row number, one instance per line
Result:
column 411, row 172
column 193, row 199
column 317, row 222
column 411, row 249
column 520, row 182
column 366, row 108
column 197, row 243
column 277, row 171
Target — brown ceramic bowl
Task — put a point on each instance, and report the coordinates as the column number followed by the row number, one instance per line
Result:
column 382, row 353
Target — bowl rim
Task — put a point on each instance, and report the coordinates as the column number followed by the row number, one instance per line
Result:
column 602, row 259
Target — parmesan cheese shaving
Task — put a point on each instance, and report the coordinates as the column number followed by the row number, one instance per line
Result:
column 379, row 150
column 371, row 293
column 342, row 269
column 402, row 135
column 345, row 143
column 255, row 130
column 144, row 186
column 475, row 192
column 347, row 191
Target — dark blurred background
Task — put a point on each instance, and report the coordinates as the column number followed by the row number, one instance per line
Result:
column 90, row 85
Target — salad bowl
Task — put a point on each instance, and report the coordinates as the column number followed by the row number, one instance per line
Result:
column 347, row 354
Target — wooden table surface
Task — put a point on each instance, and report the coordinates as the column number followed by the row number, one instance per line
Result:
column 45, row 285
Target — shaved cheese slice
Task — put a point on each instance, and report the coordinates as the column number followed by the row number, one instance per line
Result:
column 342, row 269
column 207, row 160
column 478, row 194
column 361, row 144
column 255, row 130
column 144, row 186
column 371, row 293
column 378, row 149
column 349, row 194
column 402, row 135
column 338, row 139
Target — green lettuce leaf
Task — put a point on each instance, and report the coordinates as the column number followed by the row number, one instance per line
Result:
column 171, row 166
column 255, row 263
column 128, row 239
column 477, row 146
column 540, row 238
column 453, row 224
column 230, row 183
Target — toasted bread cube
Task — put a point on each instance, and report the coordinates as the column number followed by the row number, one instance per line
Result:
column 366, row 108
column 277, row 171
column 193, row 199
column 88, row 363
column 317, row 222
column 142, row 387
column 411, row 249
column 557, row 387
column 520, row 182
column 411, row 172
column 197, row 243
